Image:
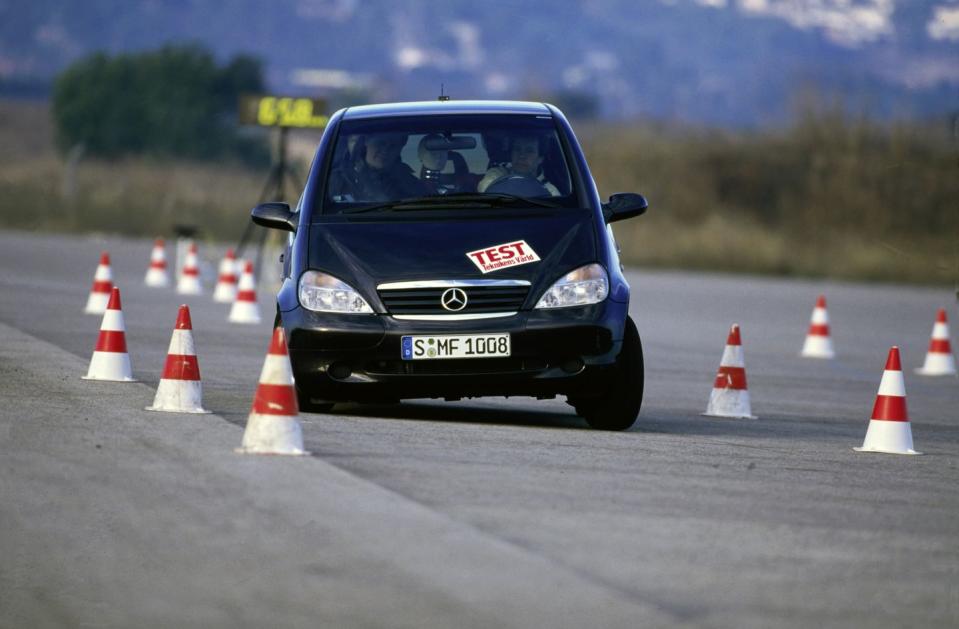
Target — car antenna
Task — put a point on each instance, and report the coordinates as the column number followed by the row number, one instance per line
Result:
column 443, row 96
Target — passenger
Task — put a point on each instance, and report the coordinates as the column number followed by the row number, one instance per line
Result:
column 376, row 172
column 526, row 159
column 433, row 162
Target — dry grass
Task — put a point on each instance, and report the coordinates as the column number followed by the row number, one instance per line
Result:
column 722, row 243
column 134, row 196
column 830, row 197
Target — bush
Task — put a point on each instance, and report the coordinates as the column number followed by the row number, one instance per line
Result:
column 831, row 195
column 171, row 102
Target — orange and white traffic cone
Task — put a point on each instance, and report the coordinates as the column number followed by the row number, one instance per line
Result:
column 189, row 282
column 939, row 358
column 818, row 342
column 180, row 389
column 730, row 395
column 246, row 309
column 273, row 426
column 889, row 429
column 110, row 359
column 102, row 283
column 157, row 275
column 225, row 291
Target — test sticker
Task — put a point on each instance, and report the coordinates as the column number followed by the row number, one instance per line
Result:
column 501, row 256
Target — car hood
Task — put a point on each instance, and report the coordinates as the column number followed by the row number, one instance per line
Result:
column 365, row 253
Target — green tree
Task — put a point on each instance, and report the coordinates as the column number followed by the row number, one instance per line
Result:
column 174, row 101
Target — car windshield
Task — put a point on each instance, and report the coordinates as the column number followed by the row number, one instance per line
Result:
column 447, row 162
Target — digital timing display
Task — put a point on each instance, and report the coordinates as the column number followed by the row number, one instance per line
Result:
column 283, row 111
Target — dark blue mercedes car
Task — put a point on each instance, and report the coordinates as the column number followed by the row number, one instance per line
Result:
column 457, row 249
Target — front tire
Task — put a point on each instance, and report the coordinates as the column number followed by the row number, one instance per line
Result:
column 618, row 408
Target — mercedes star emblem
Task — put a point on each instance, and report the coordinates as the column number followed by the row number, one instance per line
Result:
column 453, row 299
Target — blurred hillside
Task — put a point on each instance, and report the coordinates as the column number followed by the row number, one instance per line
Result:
column 831, row 196
column 727, row 62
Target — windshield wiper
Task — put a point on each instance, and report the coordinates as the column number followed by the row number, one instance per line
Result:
column 501, row 199
column 404, row 204
column 440, row 202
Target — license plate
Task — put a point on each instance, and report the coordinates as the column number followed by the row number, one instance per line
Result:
column 455, row 346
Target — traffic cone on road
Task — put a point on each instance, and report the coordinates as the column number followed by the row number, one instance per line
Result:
column 246, row 309
column 225, row 291
column 180, row 389
column 730, row 395
column 189, row 282
column 818, row 342
column 889, row 429
column 273, row 426
column 157, row 275
column 939, row 358
column 102, row 283
column 110, row 359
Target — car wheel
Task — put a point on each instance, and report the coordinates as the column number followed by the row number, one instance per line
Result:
column 619, row 407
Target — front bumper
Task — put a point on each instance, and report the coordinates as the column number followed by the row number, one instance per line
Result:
column 357, row 357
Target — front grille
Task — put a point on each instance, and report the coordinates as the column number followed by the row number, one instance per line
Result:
column 478, row 299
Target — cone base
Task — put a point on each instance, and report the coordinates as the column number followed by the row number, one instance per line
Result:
column 224, row 295
column 272, row 434
column 156, row 279
column 101, row 379
column 194, row 411
column 97, row 303
column 252, row 450
column 179, row 396
column 110, row 366
column 818, row 347
column 729, row 403
column 728, row 416
column 888, row 437
column 885, row 451
column 932, row 372
column 189, row 285
column 938, row 364
column 820, row 354
column 244, row 313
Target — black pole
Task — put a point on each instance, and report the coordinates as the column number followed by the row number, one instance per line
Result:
column 273, row 190
column 281, row 162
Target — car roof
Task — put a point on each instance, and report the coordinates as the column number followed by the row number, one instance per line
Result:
column 437, row 107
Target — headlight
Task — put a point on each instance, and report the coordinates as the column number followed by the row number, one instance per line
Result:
column 324, row 293
column 586, row 285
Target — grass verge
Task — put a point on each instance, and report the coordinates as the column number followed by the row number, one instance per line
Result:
column 828, row 197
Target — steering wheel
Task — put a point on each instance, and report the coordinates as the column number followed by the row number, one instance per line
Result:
column 519, row 185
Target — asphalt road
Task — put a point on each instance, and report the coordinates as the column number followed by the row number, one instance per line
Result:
column 484, row 513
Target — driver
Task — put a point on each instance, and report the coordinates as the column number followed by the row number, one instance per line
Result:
column 377, row 173
column 526, row 160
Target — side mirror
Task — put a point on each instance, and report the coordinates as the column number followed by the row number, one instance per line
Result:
column 275, row 216
column 624, row 205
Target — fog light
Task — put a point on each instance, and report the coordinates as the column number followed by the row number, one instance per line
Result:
column 340, row 371
column 572, row 365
